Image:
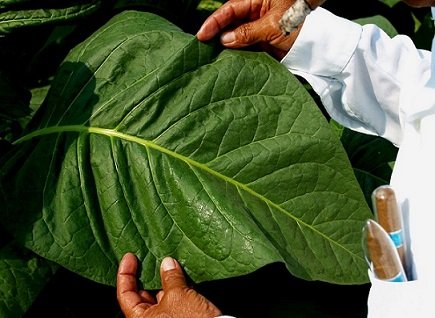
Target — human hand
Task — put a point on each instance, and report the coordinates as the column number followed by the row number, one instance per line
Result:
column 175, row 300
column 248, row 22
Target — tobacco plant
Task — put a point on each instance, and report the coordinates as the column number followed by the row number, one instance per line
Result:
column 120, row 131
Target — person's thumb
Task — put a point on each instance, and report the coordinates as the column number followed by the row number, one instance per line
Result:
column 250, row 33
column 171, row 274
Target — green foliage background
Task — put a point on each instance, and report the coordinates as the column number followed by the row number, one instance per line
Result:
column 36, row 36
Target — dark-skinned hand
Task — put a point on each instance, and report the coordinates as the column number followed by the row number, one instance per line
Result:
column 175, row 300
column 243, row 23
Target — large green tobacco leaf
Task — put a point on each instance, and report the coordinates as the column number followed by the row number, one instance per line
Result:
column 18, row 18
column 372, row 158
column 152, row 142
column 22, row 276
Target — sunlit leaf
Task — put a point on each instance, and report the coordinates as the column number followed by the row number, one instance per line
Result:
column 152, row 142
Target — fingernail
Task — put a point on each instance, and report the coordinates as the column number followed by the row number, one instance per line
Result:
column 168, row 263
column 228, row 37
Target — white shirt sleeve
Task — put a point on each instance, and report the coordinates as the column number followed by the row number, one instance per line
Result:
column 379, row 85
column 359, row 72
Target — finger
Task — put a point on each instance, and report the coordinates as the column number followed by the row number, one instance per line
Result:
column 126, row 277
column 160, row 295
column 265, row 29
column 228, row 13
column 126, row 286
column 171, row 274
column 147, row 297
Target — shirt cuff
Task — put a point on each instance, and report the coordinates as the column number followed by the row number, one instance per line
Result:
column 315, row 49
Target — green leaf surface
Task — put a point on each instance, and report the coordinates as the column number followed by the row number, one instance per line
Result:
column 209, row 5
column 38, row 96
column 152, row 142
column 371, row 158
column 16, row 19
column 390, row 3
column 22, row 276
column 381, row 22
column 7, row 3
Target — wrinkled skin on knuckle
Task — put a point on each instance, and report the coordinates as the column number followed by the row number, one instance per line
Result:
column 244, row 33
column 272, row 29
column 138, row 311
column 163, row 315
column 173, row 276
column 179, row 300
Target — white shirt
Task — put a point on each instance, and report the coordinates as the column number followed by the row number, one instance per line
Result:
column 382, row 86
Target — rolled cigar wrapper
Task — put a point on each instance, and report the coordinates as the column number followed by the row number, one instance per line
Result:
column 381, row 254
column 388, row 215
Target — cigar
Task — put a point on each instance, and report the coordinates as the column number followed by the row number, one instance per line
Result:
column 382, row 254
column 388, row 216
column 296, row 14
